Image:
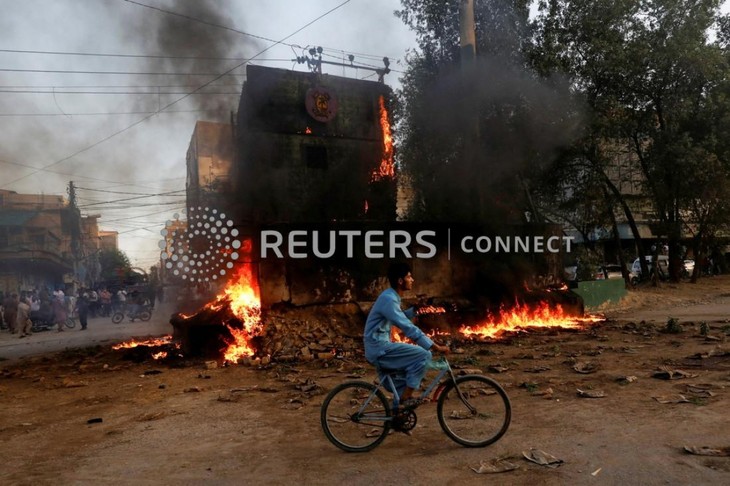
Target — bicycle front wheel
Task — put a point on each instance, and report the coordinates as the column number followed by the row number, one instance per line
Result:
column 477, row 418
column 117, row 317
column 355, row 416
column 71, row 322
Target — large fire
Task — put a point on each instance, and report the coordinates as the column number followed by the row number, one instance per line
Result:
column 387, row 166
column 242, row 296
column 522, row 317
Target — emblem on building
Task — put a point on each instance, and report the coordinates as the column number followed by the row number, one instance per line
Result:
column 321, row 104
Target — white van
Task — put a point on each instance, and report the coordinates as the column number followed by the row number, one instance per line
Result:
column 663, row 266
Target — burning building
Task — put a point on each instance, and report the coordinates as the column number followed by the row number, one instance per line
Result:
column 314, row 156
column 313, row 148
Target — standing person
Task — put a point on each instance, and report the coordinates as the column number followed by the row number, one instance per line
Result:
column 82, row 309
column 10, row 311
column 105, row 298
column 93, row 303
column 122, row 300
column 381, row 352
column 60, row 314
column 23, row 322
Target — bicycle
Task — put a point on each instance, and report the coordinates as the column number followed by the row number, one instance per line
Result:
column 473, row 410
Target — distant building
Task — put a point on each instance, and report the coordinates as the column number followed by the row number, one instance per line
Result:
column 209, row 160
column 177, row 245
column 35, row 241
column 109, row 240
column 44, row 242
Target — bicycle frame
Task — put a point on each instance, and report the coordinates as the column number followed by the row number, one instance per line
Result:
column 390, row 385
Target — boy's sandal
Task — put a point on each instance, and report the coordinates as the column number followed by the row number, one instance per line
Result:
column 412, row 403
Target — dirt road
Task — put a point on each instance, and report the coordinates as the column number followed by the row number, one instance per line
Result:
column 101, row 331
column 240, row 425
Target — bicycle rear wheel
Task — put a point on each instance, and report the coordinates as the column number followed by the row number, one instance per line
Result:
column 71, row 322
column 478, row 420
column 355, row 416
column 117, row 317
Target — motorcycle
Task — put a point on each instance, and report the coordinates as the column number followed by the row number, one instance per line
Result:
column 143, row 313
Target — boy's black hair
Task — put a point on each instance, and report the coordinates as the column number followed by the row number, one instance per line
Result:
column 397, row 270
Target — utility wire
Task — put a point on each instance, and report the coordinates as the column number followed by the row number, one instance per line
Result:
column 231, row 29
column 141, row 215
column 126, row 73
column 110, row 113
column 80, row 86
column 145, row 56
column 119, row 132
column 154, row 93
column 134, row 198
column 120, row 192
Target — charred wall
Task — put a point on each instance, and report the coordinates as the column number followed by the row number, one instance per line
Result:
column 294, row 166
column 352, row 276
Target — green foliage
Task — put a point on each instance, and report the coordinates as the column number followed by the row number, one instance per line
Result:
column 673, row 326
column 704, row 329
column 656, row 91
column 472, row 135
column 115, row 266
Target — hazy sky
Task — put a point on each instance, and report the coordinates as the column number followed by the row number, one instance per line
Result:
column 99, row 131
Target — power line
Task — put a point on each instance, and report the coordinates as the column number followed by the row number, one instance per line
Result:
column 22, row 86
column 119, row 192
column 231, row 29
column 126, row 73
column 154, row 93
column 143, row 205
column 133, row 198
column 141, row 215
column 87, row 178
column 118, row 132
column 110, row 113
column 144, row 56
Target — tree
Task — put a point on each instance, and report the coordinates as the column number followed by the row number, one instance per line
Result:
column 520, row 119
column 115, row 266
column 648, row 74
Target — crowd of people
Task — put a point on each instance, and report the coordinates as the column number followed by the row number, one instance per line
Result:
column 19, row 311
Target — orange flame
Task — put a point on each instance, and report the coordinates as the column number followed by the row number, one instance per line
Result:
column 387, row 167
column 308, row 131
column 522, row 317
column 245, row 301
column 148, row 342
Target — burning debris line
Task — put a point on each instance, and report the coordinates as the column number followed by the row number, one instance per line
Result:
column 523, row 317
column 157, row 348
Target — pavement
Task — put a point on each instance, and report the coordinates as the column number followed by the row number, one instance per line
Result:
column 101, row 331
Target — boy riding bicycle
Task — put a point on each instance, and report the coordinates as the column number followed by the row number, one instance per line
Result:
column 384, row 354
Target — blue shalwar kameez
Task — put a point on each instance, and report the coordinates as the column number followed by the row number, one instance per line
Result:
column 383, row 353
